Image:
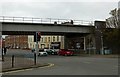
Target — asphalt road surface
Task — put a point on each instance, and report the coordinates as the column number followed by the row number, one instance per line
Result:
column 73, row 65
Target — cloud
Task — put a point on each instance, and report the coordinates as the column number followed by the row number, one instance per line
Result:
column 59, row 0
column 64, row 10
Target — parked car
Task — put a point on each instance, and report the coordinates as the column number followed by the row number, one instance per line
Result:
column 65, row 52
column 33, row 50
column 52, row 51
column 49, row 51
column 42, row 53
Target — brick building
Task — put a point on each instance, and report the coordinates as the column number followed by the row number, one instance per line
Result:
column 25, row 41
column 2, row 42
column 16, row 41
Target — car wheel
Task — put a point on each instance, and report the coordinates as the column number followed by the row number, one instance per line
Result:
column 39, row 54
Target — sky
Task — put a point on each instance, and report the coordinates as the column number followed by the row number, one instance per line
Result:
column 89, row 10
column 119, row 4
column 63, row 9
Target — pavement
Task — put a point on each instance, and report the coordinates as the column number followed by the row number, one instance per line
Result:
column 20, row 63
column 64, row 65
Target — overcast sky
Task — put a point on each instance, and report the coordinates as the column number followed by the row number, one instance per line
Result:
column 65, row 9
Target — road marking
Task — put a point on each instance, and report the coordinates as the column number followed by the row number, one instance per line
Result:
column 50, row 65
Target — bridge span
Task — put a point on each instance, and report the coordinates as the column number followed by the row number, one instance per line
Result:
column 70, row 29
column 24, row 25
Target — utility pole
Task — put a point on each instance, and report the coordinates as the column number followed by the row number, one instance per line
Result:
column 89, row 44
column 36, row 46
column 102, row 49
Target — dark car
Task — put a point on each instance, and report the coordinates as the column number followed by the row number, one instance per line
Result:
column 65, row 52
column 49, row 51
column 55, row 51
column 33, row 50
column 52, row 51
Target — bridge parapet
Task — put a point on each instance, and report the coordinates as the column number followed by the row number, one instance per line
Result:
column 45, row 20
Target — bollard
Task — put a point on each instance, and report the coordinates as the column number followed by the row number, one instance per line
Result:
column 13, row 61
column 2, row 54
column 2, row 57
column 35, row 59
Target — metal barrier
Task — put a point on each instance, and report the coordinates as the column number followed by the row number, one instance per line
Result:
column 44, row 20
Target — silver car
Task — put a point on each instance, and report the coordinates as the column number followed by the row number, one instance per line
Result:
column 42, row 53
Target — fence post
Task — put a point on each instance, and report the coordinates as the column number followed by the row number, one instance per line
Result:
column 13, row 60
column 2, row 55
column 35, row 59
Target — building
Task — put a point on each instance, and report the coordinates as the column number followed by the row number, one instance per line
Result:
column 27, row 41
column 16, row 41
column 100, row 26
column 2, row 42
column 47, row 42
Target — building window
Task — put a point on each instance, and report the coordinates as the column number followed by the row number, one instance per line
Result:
column 47, row 45
column 42, row 39
column 48, row 39
column 30, row 39
column 30, row 45
column 33, row 46
column 53, row 38
column 57, row 38
column 45, row 39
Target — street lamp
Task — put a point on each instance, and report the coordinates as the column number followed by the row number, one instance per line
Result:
column 102, row 49
column 14, row 41
column 101, row 38
column 89, row 45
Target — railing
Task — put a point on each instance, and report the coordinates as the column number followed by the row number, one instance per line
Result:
column 44, row 20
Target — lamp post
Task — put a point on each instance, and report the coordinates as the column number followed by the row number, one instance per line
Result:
column 102, row 49
column 14, row 41
column 89, row 45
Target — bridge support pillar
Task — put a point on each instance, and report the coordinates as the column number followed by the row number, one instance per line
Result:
column 84, row 43
column 72, row 41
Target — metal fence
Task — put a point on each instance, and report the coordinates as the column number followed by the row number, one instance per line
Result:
column 44, row 20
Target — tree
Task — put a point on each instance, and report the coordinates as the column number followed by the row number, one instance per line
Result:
column 113, row 21
column 111, row 39
column 112, row 32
